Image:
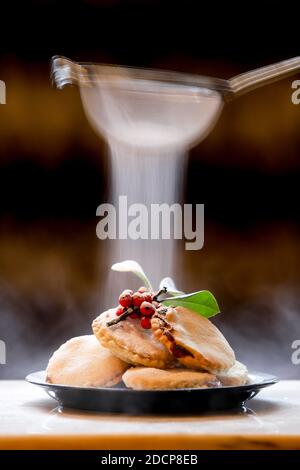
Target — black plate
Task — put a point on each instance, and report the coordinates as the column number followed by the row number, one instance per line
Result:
column 120, row 399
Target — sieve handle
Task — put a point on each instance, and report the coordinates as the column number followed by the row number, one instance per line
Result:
column 262, row 76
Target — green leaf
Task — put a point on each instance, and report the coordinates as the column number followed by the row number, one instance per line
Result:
column 170, row 285
column 130, row 266
column 202, row 302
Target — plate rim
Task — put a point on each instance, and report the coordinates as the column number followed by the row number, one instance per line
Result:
column 268, row 379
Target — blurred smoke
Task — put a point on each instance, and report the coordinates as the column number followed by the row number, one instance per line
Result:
column 262, row 331
column 32, row 328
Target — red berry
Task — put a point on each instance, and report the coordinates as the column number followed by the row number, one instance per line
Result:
column 134, row 315
column 147, row 309
column 156, row 304
column 120, row 310
column 137, row 299
column 143, row 289
column 125, row 298
column 146, row 323
column 147, row 297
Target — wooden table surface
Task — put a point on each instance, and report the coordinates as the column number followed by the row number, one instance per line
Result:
column 29, row 419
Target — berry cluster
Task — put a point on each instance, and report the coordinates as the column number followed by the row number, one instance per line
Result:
column 138, row 305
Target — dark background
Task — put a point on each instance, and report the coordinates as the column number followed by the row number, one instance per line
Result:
column 54, row 171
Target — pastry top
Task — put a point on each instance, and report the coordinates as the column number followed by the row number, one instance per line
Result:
column 82, row 361
column 148, row 378
column 129, row 341
column 193, row 340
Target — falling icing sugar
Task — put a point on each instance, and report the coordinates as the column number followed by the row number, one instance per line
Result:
column 149, row 127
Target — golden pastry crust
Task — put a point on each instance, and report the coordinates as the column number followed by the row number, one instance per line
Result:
column 83, row 362
column 193, row 339
column 130, row 342
column 148, row 378
column 236, row 375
